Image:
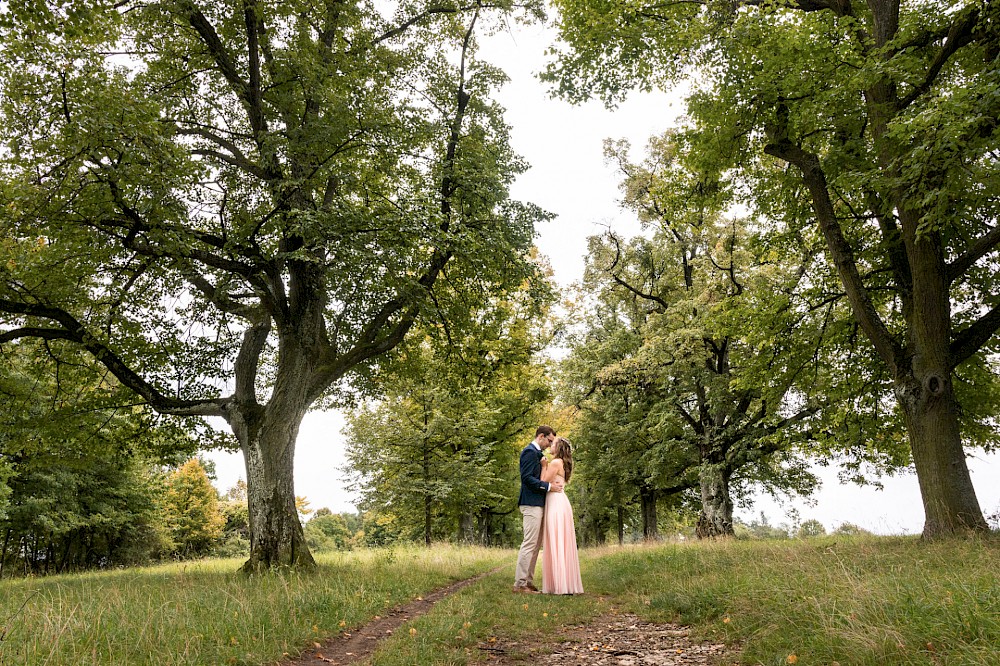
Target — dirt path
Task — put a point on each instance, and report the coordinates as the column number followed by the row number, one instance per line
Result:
column 612, row 640
column 357, row 646
column 609, row 640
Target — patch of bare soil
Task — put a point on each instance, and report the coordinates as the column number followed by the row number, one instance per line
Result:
column 612, row 640
column 351, row 647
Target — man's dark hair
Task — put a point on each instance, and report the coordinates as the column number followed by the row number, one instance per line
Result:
column 544, row 430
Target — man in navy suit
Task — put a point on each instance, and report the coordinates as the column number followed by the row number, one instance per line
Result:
column 531, row 502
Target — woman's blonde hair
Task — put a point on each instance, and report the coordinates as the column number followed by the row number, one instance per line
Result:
column 565, row 453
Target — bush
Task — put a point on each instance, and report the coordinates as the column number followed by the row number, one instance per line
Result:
column 232, row 545
column 328, row 531
column 850, row 529
column 811, row 528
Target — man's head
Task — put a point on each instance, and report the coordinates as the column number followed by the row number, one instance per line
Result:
column 544, row 436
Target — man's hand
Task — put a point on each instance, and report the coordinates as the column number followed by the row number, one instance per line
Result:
column 556, row 486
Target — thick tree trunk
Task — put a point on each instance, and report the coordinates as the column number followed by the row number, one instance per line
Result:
column 276, row 537
column 467, row 527
column 716, row 517
column 621, row 525
column 650, row 531
column 931, row 413
column 484, row 528
column 925, row 393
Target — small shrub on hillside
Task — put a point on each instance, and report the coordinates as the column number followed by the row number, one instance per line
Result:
column 810, row 528
column 850, row 529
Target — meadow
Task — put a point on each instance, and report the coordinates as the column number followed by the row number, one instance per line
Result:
column 858, row 601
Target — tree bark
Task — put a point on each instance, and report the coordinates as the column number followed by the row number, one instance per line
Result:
column 649, row 526
column 484, row 528
column 467, row 527
column 267, row 436
column 931, row 414
column 716, row 517
column 621, row 525
column 276, row 537
column 925, row 394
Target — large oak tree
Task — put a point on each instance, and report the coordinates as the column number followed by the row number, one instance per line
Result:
column 238, row 207
column 886, row 113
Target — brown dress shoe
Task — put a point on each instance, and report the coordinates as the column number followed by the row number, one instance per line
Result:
column 531, row 587
column 520, row 589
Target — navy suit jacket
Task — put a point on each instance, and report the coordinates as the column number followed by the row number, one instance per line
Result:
column 533, row 489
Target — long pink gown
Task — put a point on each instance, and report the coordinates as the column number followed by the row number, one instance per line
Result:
column 560, row 563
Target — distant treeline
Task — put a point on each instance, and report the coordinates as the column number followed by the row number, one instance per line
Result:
column 66, row 514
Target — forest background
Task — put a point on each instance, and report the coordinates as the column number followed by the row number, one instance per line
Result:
column 570, row 176
column 434, row 429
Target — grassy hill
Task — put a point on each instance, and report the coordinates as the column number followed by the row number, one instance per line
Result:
column 819, row 601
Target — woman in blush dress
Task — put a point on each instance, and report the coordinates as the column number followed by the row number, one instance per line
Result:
column 560, row 563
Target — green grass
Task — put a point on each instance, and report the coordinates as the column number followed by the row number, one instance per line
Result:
column 857, row 602
column 861, row 601
column 206, row 613
column 453, row 631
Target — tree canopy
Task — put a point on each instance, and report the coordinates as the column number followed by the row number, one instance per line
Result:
column 239, row 207
column 439, row 450
column 885, row 114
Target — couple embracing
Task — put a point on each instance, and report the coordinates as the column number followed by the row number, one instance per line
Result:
column 547, row 517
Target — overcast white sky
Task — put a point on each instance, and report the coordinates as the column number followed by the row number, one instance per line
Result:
column 563, row 144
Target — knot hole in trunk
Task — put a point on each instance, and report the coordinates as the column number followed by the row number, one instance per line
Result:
column 934, row 384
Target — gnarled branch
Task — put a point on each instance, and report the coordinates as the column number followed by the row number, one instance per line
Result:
column 74, row 331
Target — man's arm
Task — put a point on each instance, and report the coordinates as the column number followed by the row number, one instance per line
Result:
column 533, row 482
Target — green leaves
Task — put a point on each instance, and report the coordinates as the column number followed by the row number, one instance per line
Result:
column 192, row 512
column 439, row 450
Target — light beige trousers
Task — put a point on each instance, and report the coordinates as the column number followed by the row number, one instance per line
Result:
column 531, row 519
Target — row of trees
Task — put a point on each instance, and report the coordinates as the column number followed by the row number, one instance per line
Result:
column 243, row 210
column 817, row 274
column 63, row 513
column 871, row 128
column 438, row 451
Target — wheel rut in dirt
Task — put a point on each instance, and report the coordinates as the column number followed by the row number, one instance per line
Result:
column 352, row 647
